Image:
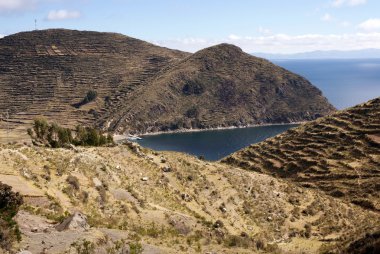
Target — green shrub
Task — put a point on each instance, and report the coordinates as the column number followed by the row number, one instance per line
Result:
column 90, row 96
column 56, row 136
column 9, row 205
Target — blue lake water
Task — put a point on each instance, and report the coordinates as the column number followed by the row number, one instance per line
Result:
column 212, row 144
column 344, row 82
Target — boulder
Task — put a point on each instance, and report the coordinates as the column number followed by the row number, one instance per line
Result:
column 76, row 221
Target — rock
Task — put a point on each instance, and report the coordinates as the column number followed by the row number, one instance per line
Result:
column 186, row 197
column 77, row 221
column 145, row 178
column 167, row 169
column 97, row 182
column 24, row 252
column 34, row 230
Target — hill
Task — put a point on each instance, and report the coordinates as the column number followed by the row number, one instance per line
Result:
column 127, row 197
column 338, row 154
column 134, row 83
column 218, row 87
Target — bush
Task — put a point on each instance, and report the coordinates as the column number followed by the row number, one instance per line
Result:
column 9, row 205
column 90, row 96
column 73, row 181
column 56, row 136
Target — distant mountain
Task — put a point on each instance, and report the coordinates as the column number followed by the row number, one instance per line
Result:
column 330, row 54
column 136, row 86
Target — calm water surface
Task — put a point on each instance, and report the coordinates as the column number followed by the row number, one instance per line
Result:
column 344, row 82
column 213, row 145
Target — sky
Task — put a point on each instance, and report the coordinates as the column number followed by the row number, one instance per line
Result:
column 267, row 26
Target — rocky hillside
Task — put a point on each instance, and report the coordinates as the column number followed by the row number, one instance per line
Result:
column 50, row 72
column 139, row 87
column 221, row 86
column 110, row 200
column 339, row 154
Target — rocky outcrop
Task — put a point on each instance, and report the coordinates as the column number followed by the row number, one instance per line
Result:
column 77, row 221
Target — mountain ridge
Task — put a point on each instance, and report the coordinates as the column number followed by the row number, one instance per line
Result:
column 56, row 68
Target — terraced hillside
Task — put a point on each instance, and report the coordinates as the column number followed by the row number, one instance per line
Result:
column 46, row 72
column 137, row 198
column 141, row 87
column 221, row 86
column 339, row 154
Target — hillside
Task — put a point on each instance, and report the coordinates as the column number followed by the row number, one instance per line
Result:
column 47, row 72
column 338, row 154
column 221, row 86
column 141, row 87
column 135, row 198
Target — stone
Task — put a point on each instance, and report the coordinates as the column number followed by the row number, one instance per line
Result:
column 76, row 221
column 97, row 182
column 186, row 197
column 167, row 169
column 144, row 179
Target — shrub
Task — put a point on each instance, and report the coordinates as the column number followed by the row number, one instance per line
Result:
column 9, row 205
column 73, row 181
column 90, row 96
column 55, row 136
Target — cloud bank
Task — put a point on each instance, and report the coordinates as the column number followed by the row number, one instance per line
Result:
column 8, row 6
column 340, row 3
column 55, row 15
column 370, row 25
column 281, row 43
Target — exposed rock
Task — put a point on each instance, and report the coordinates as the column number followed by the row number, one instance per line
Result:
column 77, row 221
column 97, row 182
column 186, row 197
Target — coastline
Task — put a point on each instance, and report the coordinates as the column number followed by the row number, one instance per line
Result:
column 146, row 134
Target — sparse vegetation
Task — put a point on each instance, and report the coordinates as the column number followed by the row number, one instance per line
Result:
column 90, row 96
column 55, row 136
column 9, row 205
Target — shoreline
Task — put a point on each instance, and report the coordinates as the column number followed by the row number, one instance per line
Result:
column 147, row 134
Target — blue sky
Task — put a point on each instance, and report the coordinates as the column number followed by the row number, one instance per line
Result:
column 273, row 26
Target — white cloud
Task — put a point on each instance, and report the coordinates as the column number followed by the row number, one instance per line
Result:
column 370, row 25
column 340, row 3
column 234, row 37
column 327, row 17
column 16, row 5
column 282, row 43
column 1, row 36
column 264, row 31
column 62, row 15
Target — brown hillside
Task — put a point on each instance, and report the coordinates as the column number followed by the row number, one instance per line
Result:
column 141, row 87
column 217, row 87
column 169, row 203
column 46, row 72
column 339, row 154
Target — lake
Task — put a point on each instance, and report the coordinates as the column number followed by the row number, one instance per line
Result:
column 344, row 82
column 212, row 144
